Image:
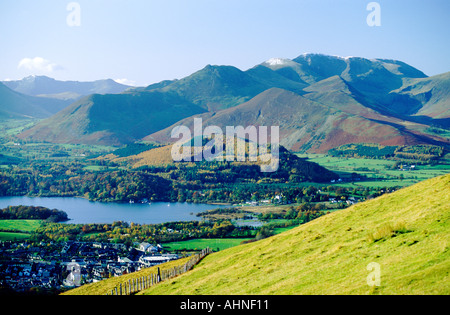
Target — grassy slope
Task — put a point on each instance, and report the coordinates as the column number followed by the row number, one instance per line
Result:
column 112, row 119
column 406, row 232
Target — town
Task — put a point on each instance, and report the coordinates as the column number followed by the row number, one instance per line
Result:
column 46, row 268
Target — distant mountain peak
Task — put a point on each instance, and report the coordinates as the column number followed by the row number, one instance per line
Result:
column 35, row 85
column 277, row 61
column 319, row 101
column 319, row 55
column 30, row 78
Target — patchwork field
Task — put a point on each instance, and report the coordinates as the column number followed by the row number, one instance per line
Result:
column 380, row 173
column 16, row 229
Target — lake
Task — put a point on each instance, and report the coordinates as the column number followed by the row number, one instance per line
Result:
column 82, row 211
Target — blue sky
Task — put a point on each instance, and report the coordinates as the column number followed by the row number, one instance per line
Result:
column 147, row 41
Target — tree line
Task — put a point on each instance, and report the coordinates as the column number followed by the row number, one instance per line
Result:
column 33, row 213
column 124, row 232
column 176, row 182
column 417, row 153
column 196, row 183
column 69, row 180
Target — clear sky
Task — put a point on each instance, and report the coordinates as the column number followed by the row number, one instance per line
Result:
column 147, row 41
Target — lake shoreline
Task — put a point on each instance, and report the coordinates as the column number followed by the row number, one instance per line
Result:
column 83, row 211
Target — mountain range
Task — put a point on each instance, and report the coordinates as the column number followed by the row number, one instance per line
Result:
column 41, row 96
column 319, row 102
column 14, row 105
column 44, row 86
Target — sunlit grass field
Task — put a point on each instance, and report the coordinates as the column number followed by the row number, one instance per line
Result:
column 199, row 244
column 377, row 169
column 17, row 227
column 407, row 233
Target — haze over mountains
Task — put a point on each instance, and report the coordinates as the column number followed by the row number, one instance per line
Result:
column 44, row 86
column 318, row 101
column 42, row 97
column 14, row 105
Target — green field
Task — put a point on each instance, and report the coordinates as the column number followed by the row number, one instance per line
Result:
column 12, row 127
column 9, row 145
column 380, row 172
column 8, row 236
column 20, row 226
column 217, row 244
column 199, row 244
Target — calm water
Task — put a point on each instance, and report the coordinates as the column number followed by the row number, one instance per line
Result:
column 82, row 211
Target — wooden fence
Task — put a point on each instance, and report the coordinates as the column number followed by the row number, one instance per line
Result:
column 136, row 285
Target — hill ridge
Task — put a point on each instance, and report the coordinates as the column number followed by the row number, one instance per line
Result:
column 371, row 91
column 405, row 232
column 68, row 90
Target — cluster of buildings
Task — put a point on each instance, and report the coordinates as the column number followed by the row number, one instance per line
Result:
column 58, row 266
column 406, row 167
column 349, row 201
column 277, row 199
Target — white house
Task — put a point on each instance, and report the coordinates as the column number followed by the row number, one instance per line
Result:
column 124, row 260
column 147, row 248
column 143, row 247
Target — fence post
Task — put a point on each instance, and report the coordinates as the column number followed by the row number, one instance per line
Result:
column 145, row 282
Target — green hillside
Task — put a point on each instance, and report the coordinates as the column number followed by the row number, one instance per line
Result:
column 112, row 119
column 433, row 92
column 305, row 124
column 15, row 105
column 217, row 87
column 406, row 233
